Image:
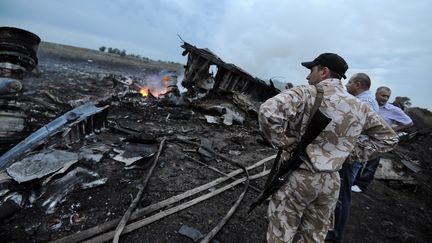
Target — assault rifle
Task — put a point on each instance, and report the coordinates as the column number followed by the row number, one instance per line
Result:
column 281, row 171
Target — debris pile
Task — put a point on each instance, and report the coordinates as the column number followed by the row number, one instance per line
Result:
column 78, row 142
column 18, row 56
column 106, row 149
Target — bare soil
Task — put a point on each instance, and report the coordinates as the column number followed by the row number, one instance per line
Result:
column 389, row 211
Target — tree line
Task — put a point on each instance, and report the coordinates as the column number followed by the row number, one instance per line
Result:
column 123, row 53
column 113, row 50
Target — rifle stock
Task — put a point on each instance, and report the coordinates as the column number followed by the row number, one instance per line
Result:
column 280, row 172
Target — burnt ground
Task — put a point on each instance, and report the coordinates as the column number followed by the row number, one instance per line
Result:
column 390, row 211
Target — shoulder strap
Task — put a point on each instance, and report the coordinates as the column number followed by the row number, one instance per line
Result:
column 316, row 105
column 318, row 100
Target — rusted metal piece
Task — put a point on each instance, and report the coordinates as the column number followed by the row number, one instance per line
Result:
column 18, row 49
column 227, row 78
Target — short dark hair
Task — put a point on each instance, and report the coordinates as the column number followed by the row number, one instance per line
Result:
column 363, row 79
column 333, row 74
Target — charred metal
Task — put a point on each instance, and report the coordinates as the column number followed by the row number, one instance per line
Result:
column 18, row 51
column 227, row 77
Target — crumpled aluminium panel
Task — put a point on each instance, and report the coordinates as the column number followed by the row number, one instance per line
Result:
column 41, row 164
column 72, row 126
column 78, row 178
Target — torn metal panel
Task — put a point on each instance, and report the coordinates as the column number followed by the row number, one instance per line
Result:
column 11, row 125
column 4, row 177
column 71, row 127
column 206, row 143
column 10, row 204
column 41, row 164
column 228, row 111
column 411, row 165
column 3, row 192
column 128, row 161
column 198, row 74
column 390, row 170
column 400, row 154
column 135, row 152
column 89, row 155
column 191, row 233
column 211, row 119
column 75, row 179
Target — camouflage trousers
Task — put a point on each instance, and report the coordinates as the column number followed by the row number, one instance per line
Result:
column 304, row 205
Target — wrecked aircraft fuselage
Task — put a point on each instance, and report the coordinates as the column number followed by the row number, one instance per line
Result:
column 204, row 70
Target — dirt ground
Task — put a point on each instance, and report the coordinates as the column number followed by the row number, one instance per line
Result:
column 390, row 211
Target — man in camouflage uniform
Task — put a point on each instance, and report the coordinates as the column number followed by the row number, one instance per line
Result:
column 304, row 204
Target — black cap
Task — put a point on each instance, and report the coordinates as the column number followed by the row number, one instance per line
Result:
column 333, row 61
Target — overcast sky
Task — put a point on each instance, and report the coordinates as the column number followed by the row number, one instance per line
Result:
column 388, row 39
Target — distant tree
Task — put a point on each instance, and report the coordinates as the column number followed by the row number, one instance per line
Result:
column 123, row 53
column 402, row 102
column 110, row 50
column 116, row 51
column 102, row 48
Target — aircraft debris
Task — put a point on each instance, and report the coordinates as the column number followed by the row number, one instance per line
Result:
column 190, row 232
column 41, row 164
column 228, row 77
column 71, row 128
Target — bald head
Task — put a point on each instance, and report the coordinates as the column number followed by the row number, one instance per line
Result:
column 363, row 79
column 358, row 83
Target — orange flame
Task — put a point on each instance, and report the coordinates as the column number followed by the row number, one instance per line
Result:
column 144, row 91
column 154, row 90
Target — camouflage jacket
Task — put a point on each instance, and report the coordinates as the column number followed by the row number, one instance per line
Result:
column 286, row 114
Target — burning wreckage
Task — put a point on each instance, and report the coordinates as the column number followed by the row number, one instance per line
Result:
column 43, row 164
column 53, row 150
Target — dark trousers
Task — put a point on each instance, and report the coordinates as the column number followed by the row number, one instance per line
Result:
column 343, row 205
column 363, row 178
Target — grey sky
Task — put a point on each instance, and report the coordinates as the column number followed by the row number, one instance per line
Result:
column 388, row 39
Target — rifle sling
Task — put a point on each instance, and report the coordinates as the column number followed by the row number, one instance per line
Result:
column 316, row 105
column 280, row 173
column 300, row 150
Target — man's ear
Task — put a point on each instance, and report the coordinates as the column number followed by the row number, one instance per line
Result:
column 357, row 85
column 326, row 73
